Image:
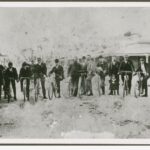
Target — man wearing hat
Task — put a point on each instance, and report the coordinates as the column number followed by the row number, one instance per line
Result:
column 104, row 70
column 144, row 69
column 127, row 65
column 74, row 73
column 40, row 72
column 11, row 76
column 59, row 75
column 25, row 72
column 91, row 69
column 83, row 74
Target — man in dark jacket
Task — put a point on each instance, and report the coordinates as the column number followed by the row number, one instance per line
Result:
column 83, row 74
column 1, row 79
column 74, row 73
column 127, row 65
column 40, row 72
column 59, row 75
column 11, row 76
column 113, row 69
column 104, row 69
column 24, row 76
column 144, row 69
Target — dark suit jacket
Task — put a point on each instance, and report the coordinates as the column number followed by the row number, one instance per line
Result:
column 113, row 68
column 11, row 74
column 74, row 70
column 59, row 72
column 40, row 70
column 126, row 66
column 25, row 72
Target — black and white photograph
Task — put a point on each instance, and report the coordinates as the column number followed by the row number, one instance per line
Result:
column 74, row 73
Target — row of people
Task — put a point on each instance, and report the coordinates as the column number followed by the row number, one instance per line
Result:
column 87, row 67
column 9, row 76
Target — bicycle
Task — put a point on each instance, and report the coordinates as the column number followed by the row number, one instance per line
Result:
column 24, row 87
column 125, row 83
column 52, row 87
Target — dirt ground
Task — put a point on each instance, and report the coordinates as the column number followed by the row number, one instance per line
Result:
column 87, row 117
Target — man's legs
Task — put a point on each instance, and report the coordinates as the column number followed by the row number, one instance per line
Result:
column 129, row 83
column 28, row 88
column 83, row 86
column 144, row 86
column 122, row 78
column 43, row 87
column 117, row 78
column 75, row 91
column 103, row 85
column 58, row 87
column 21, row 85
column 5, row 89
column 89, row 85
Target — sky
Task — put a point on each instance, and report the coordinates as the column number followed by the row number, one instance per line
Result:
column 73, row 31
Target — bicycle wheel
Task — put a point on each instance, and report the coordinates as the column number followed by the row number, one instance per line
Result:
column 50, row 92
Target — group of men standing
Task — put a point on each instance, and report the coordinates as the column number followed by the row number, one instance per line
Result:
column 9, row 76
column 87, row 67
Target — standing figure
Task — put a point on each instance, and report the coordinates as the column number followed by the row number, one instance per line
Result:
column 127, row 65
column 59, row 75
column 144, row 69
column 104, row 69
column 83, row 74
column 113, row 70
column 24, row 76
column 11, row 76
column 91, row 69
column 40, row 72
column 74, row 73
